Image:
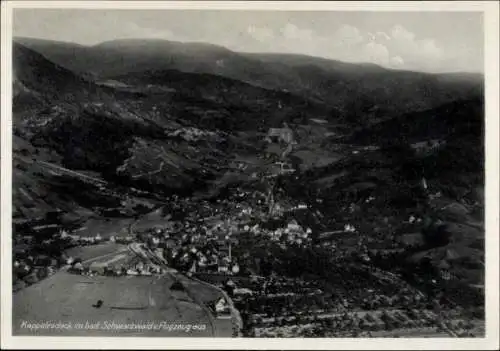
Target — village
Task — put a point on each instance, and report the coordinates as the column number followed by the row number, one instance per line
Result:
column 212, row 243
column 246, row 243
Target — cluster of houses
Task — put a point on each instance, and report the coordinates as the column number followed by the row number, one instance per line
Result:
column 78, row 240
column 194, row 247
column 206, row 247
column 104, row 269
column 288, row 307
column 331, row 239
column 31, row 269
column 203, row 241
column 293, row 233
column 352, row 324
column 34, row 260
column 424, row 147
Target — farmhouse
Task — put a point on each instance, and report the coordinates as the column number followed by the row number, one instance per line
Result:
column 280, row 135
column 221, row 307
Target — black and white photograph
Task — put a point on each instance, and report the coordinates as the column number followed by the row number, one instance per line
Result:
column 247, row 173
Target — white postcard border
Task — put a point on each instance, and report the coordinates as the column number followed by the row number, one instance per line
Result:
column 491, row 341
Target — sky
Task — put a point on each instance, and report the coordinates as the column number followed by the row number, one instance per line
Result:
column 421, row 41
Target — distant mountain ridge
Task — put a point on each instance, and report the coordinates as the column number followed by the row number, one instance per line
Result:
column 373, row 90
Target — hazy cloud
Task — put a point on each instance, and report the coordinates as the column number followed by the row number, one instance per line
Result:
column 292, row 32
column 417, row 53
column 399, row 49
column 375, row 53
column 429, row 48
column 133, row 30
column 261, row 34
column 382, row 36
column 396, row 62
column 400, row 33
column 348, row 36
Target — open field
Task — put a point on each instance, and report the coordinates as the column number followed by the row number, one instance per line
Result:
column 87, row 253
column 69, row 298
column 106, row 227
column 72, row 298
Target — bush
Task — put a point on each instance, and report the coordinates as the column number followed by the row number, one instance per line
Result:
column 436, row 235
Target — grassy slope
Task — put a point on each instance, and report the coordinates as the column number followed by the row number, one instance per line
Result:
column 69, row 298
